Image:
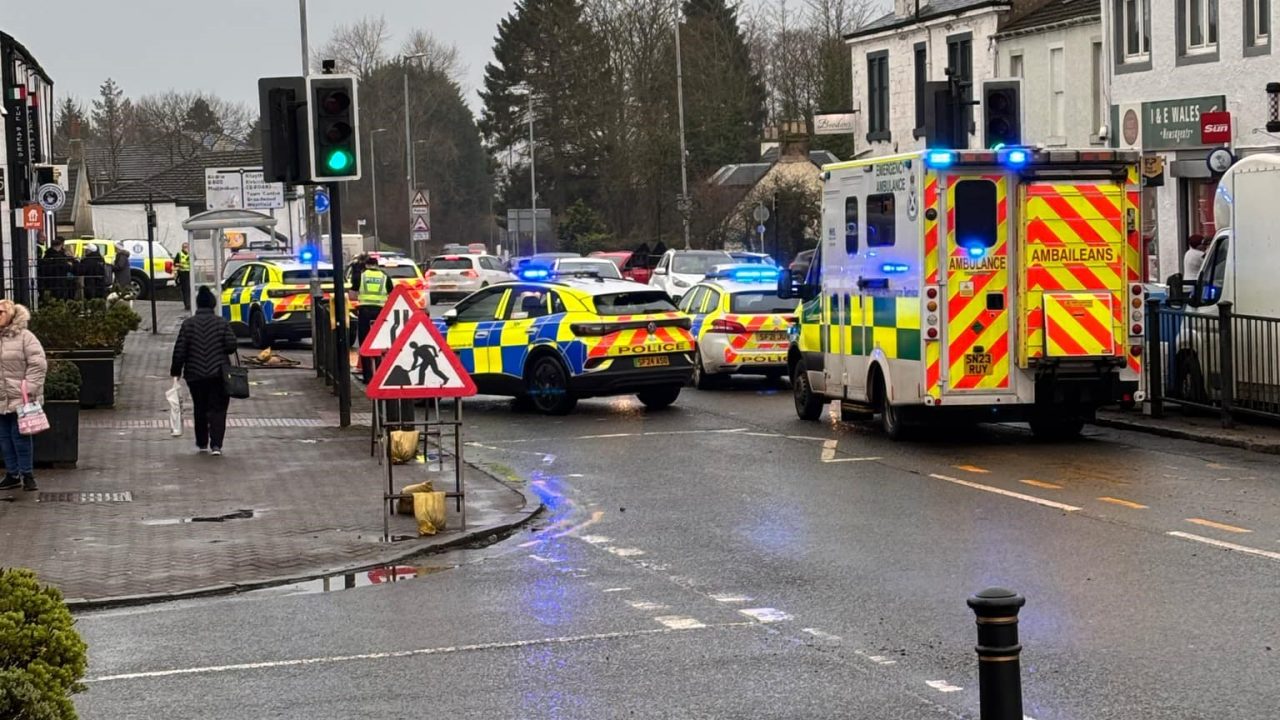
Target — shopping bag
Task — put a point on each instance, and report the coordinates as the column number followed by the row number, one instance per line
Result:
column 404, row 446
column 428, row 510
column 174, row 396
column 404, row 506
column 235, row 379
column 31, row 417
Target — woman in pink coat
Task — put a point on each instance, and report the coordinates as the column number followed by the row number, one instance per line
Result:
column 21, row 361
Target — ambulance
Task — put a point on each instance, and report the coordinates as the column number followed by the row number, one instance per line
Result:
column 973, row 286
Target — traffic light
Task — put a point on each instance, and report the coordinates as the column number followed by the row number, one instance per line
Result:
column 281, row 100
column 333, row 130
column 1002, row 112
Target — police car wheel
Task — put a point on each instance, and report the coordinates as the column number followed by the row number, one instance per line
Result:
column 701, row 378
column 258, row 331
column 808, row 403
column 139, row 285
column 659, row 398
column 547, row 386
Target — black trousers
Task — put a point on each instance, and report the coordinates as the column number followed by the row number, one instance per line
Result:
column 210, row 399
column 183, row 287
column 365, row 315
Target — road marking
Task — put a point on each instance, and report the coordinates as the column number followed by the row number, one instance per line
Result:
column 333, row 659
column 730, row 598
column 762, row 434
column 822, row 635
column 829, row 454
column 1218, row 525
column 766, row 615
column 1041, row 484
column 541, row 559
column 943, row 686
column 595, row 539
column 646, row 605
column 616, row 589
column 677, row 622
column 881, row 660
column 624, row 552
column 805, row 438
column 1124, row 503
column 972, row 469
column 1226, row 545
column 531, row 543
column 1008, row 493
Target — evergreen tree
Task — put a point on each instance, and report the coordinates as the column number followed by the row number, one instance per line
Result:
column 112, row 112
column 71, row 123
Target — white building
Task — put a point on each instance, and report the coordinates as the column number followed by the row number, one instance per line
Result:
column 1057, row 52
column 1172, row 61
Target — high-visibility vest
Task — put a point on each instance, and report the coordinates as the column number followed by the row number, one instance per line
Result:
column 373, row 287
column 182, row 262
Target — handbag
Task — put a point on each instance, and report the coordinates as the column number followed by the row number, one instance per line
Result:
column 235, row 380
column 31, row 417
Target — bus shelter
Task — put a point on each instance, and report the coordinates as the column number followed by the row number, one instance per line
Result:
column 209, row 253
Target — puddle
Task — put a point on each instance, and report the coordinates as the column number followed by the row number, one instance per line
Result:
column 237, row 515
column 376, row 576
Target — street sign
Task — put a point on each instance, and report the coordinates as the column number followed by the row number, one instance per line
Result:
column 760, row 230
column 421, row 204
column 835, row 124
column 393, row 318
column 32, row 217
column 241, row 189
column 1215, row 128
column 761, row 213
column 421, row 230
column 52, row 197
column 322, row 202
column 419, row 366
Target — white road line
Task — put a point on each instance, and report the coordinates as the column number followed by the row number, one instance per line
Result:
column 595, row 539
column 1226, row 545
column 1007, row 493
column 646, row 605
column 272, row 664
column 623, row 552
column 678, row 622
column 541, row 559
column 730, row 598
column 615, row 589
column 943, row 686
column 829, row 454
column 766, row 615
column 763, row 434
column 531, row 543
column 821, row 635
column 877, row 659
column 805, row 438
column 694, row 432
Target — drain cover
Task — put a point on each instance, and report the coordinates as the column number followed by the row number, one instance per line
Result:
column 85, row 497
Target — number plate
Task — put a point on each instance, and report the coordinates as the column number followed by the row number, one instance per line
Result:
column 654, row 361
column 977, row 363
column 772, row 336
column 446, row 287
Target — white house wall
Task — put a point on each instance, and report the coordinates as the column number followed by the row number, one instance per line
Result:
column 129, row 222
column 1076, row 43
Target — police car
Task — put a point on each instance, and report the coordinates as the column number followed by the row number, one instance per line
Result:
column 270, row 300
column 549, row 340
column 740, row 324
column 402, row 270
column 143, row 271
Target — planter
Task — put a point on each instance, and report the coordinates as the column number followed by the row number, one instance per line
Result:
column 97, row 373
column 59, row 446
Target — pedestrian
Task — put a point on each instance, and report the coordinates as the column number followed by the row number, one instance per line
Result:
column 93, row 273
column 55, row 271
column 22, row 369
column 374, row 287
column 120, row 271
column 200, row 356
column 182, row 264
column 1194, row 259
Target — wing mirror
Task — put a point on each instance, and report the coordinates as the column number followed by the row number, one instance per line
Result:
column 786, row 284
column 450, row 316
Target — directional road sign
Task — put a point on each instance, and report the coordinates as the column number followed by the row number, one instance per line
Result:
column 322, row 202
column 393, row 318
column 420, row 366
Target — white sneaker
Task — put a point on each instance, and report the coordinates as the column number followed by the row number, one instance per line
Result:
column 217, row 452
column 202, row 451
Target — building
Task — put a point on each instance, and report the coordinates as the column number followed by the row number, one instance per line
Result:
column 25, row 161
column 1049, row 48
column 1171, row 65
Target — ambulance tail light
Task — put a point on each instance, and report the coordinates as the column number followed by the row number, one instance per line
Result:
column 168, row 267
column 1136, row 330
column 1138, row 314
column 1135, row 350
column 731, row 327
column 932, row 319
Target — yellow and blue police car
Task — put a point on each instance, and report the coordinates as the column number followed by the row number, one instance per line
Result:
column 740, row 324
column 549, row 340
column 270, row 300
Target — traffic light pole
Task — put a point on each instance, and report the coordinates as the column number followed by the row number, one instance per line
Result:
column 342, row 358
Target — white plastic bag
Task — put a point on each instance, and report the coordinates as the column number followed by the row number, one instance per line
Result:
column 174, row 396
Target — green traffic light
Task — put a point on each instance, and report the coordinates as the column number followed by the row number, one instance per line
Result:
column 339, row 160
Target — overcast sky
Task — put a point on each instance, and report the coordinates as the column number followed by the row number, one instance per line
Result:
column 221, row 46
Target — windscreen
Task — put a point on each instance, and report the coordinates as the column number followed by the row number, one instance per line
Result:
column 451, row 264
column 400, row 271
column 760, row 302
column 699, row 264
column 297, row 277
column 602, row 268
column 634, row 303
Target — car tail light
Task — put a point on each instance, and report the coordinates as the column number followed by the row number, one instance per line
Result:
column 431, row 273
column 1136, row 290
column 470, row 274
column 931, row 318
column 591, row 329
column 727, row 326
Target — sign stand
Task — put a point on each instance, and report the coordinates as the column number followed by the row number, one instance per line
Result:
column 446, row 431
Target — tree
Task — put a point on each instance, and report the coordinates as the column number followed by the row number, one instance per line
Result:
column 71, row 123
column 358, row 48
column 111, row 112
column 582, row 230
column 200, row 118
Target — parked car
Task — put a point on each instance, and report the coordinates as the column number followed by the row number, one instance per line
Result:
column 753, row 258
column 679, row 270
column 457, row 276
column 599, row 267
column 454, row 249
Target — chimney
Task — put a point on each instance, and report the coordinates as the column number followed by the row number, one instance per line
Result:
column 795, row 142
column 908, row 8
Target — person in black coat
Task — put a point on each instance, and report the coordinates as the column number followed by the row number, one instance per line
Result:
column 93, row 271
column 200, row 356
column 55, row 272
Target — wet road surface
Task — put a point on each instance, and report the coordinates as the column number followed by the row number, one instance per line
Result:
column 724, row 559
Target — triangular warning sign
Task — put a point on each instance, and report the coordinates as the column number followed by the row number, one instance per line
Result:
column 420, row 366
column 420, row 201
column 420, row 224
column 400, row 306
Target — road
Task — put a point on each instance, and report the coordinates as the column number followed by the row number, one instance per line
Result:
column 726, row 560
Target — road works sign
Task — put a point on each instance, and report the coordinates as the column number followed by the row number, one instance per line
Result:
column 420, row 366
column 393, row 318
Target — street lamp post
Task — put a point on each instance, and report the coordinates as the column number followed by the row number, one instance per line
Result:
column 373, row 177
column 684, row 171
column 533, row 178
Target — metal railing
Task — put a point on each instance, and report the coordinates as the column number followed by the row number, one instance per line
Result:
column 322, row 341
column 1213, row 359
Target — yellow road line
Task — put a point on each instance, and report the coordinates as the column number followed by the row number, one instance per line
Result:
column 972, row 469
column 1041, row 484
column 1124, row 503
column 1218, row 525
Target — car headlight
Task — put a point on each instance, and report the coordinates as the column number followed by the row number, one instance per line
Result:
column 680, row 283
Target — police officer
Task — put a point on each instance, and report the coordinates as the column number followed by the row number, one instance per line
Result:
column 182, row 264
column 373, row 286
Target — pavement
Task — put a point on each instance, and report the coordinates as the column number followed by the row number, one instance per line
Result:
column 145, row 518
column 723, row 559
column 1198, row 426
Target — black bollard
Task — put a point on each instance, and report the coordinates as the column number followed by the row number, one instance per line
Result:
column 999, row 671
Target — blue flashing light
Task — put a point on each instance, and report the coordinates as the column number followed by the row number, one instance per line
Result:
column 308, row 254
column 977, row 251
column 940, row 159
column 894, row 268
column 754, row 274
column 534, row 273
column 1017, row 158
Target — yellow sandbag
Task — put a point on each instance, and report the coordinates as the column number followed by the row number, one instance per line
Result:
column 404, row 446
column 428, row 509
column 404, row 505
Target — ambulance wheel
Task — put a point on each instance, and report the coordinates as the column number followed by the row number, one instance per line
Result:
column 659, row 398
column 1053, row 429
column 701, row 378
column 258, row 331
column 890, row 416
column 547, row 386
column 808, row 403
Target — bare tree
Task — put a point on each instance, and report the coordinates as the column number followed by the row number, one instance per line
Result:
column 436, row 55
column 360, row 47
